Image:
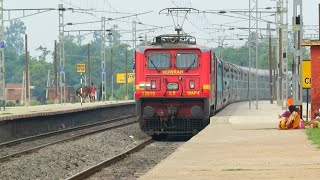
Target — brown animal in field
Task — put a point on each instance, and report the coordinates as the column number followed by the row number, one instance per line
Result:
column 85, row 93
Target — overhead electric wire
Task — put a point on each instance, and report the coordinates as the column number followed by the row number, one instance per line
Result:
column 26, row 15
column 110, row 5
column 189, row 20
column 30, row 9
column 198, row 27
column 246, row 19
column 79, row 8
column 111, row 12
column 130, row 22
column 230, row 26
column 111, row 19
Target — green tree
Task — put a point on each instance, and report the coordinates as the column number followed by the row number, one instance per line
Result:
column 114, row 36
column 44, row 53
column 240, row 55
column 15, row 65
column 39, row 69
column 14, row 39
column 121, row 92
column 79, row 39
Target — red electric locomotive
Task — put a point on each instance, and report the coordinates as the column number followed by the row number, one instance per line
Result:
column 173, row 81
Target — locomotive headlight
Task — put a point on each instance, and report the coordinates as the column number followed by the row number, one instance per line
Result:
column 196, row 111
column 172, row 86
column 153, row 84
column 191, row 84
column 148, row 111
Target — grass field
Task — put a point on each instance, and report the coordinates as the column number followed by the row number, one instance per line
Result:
column 314, row 136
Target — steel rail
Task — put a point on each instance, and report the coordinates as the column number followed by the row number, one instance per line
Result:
column 94, row 169
column 35, row 149
column 44, row 135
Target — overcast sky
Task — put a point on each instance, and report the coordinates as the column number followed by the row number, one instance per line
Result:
column 43, row 29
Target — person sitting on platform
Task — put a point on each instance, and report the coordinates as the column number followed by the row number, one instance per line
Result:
column 289, row 120
column 316, row 115
column 314, row 122
column 286, row 114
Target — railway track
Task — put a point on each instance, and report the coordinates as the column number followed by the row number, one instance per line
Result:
column 96, row 168
column 74, row 133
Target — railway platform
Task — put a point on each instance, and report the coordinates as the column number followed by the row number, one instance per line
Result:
column 21, row 122
column 12, row 113
column 242, row 144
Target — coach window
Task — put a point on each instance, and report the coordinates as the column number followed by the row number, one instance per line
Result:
column 187, row 60
column 158, row 61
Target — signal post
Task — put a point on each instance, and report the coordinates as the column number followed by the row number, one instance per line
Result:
column 81, row 68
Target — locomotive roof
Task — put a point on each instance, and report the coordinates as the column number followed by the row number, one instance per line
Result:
column 173, row 41
column 142, row 49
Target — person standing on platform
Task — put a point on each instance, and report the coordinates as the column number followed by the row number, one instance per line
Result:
column 92, row 93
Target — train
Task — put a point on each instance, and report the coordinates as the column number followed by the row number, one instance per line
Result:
column 179, row 85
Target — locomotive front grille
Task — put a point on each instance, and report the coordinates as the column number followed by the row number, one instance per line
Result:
column 179, row 125
column 158, row 116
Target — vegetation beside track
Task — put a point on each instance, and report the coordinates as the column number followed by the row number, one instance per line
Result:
column 314, row 136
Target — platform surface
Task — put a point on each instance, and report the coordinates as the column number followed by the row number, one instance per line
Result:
column 30, row 111
column 242, row 144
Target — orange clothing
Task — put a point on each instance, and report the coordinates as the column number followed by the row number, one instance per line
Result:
column 92, row 89
column 292, row 122
column 290, row 102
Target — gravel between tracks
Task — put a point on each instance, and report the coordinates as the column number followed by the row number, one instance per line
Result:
column 4, row 151
column 139, row 163
column 63, row 160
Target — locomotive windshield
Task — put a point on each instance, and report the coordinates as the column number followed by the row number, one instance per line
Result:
column 158, row 61
column 187, row 60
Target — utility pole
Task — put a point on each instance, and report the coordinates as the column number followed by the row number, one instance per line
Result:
column 145, row 39
column 2, row 67
column 275, row 75
column 111, row 72
column 27, row 101
column 270, row 63
column 280, row 102
column 55, row 70
column 89, row 65
column 285, row 54
column 61, row 55
column 279, row 20
column 221, row 45
column 126, row 98
column 103, row 59
column 48, row 84
column 297, row 37
column 253, row 50
column 282, row 26
column 134, row 44
column 23, row 97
